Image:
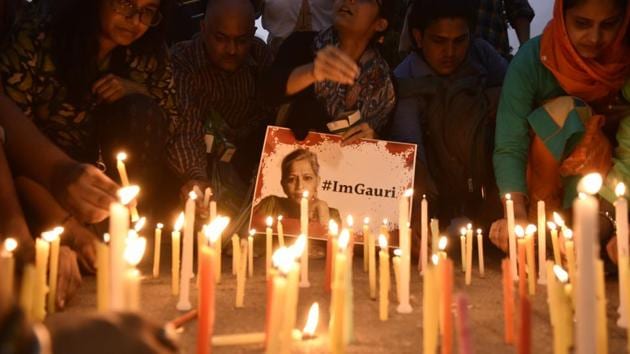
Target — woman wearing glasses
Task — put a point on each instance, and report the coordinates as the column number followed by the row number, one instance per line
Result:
column 95, row 78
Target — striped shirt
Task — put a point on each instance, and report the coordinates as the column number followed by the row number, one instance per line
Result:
column 212, row 101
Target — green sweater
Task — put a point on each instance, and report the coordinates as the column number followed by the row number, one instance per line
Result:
column 528, row 84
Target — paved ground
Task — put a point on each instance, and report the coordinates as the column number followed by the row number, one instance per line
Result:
column 400, row 334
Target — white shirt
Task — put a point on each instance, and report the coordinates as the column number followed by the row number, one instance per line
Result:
column 280, row 16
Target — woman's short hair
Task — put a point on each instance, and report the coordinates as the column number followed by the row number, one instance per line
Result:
column 297, row 155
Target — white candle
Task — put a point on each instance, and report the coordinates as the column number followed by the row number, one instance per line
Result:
column 396, row 266
column 187, row 254
column 621, row 218
column 175, row 253
column 268, row 245
column 384, row 278
column 53, row 238
column 424, row 234
column 462, row 247
column 405, row 247
column 531, row 260
column 554, row 241
column 542, row 243
column 304, row 283
column 42, row 249
column 27, row 290
column 236, row 253
column 118, row 230
column 509, row 208
column 7, row 274
column 207, row 194
column 469, row 256
column 241, row 275
column 250, row 253
column 366, row 238
column 156, row 250
column 338, row 298
column 124, row 179
column 280, row 229
column 435, row 235
column 372, row 265
column 482, row 266
column 135, row 248
column 586, row 210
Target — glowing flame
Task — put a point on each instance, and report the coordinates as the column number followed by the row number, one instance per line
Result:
column 10, row 244
column 366, row 220
column 382, row 241
column 590, row 184
column 620, row 190
column 350, row 220
column 435, row 259
column 508, row 196
column 215, row 228
column 305, row 194
column 469, row 227
column 135, row 250
column 551, row 225
column 58, row 230
column 560, row 273
column 299, row 246
column 50, row 236
column 397, row 252
column 312, row 321
column 530, row 229
column 106, row 237
column 269, row 221
column 140, row 224
column 385, row 221
column 463, row 231
column 128, row 194
column 479, row 232
column 160, row 226
column 279, row 218
column 252, row 232
column 179, row 223
column 519, row 231
column 192, row 195
column 558, row 219
column 344, row 239
column 408, row 193
column 442, row 243
column 333, row 228
column 283, row 259
column 121, row 156
column 568, row 234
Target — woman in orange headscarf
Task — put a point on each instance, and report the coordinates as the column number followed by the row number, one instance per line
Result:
column 560, row 109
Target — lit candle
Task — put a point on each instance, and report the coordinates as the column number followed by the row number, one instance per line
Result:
column 268, row 245
column 554, row 241
column 424, row 234
column 621, row 219
column 384, row 228
column 156, row 250
column 430, row 307
column 53, row 238
column 27, row 290
column 304, row 283
column 469, row 256
column 102, row 278
column 291, row 302
column 586, row 217
column 446, row 315
column 280, row 229
column 337, row 315
column 118, row 230
column 124, row 179
column 283, row 260
column 372, row 264
column 569, row 250
column 236, row 253
column 542, row 243
column 396, row 265
column 560, row 308
column 250, row 253
column 42, row 249
column 311, row 322
column 187, row 254
column 383, row 257
column 405, row 247
column 482, row 266
column 133, row 255
column 175, row 252
column 522, row 251
column 531, row 263
column 7, row 274
column 218, row 249
column 207, row 194
column 435, row 235
column 508, row 301
column 241, row 275
column 509, row 208
column 366, row 240
column 462, row 247
column 331, row 251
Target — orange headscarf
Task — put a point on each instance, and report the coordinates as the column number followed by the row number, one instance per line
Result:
column 588, row 79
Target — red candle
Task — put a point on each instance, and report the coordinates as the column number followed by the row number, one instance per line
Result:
column 268, row 308
column 525, row 330
column 463, row 325
column 206, row 300
column 508, row 301
column 447, row 297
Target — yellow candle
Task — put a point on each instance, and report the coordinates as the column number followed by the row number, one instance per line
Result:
column 280, row 229
column 430, row 308
column 435, row 235
column 175, row 249
column 118, row 232
column 569, row 248
column 236, row 253
column 396, row 265
column 134, row 252
column 7, row 274
column 462, row 247
column 602, row 320
column 250, row 253
column 184, row 303
column 337, row 343
column 218, row 249
column 384, row 228
column 268, row 245
column 384, row 278
column 156, row 250
column 469, row 256
column 290, row 312
column 372, row 264
column 509, row 208
column 560, row 308
column 27, row 290
column 304, row 219
column 124, row 179
column 531, row 262
column 42, row 249
column 424, row 234
column 366, row 238
column 624, row 281
column 283, row 260
column 482, row 266
column 241, row 275
column 102, row 276
column 542, row 243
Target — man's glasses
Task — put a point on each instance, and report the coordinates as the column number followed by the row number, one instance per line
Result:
column 148, row 16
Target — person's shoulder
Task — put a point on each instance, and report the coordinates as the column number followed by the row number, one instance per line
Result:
column 411, row 67
column 261, row 53
column 183, row 53
column 529, row 51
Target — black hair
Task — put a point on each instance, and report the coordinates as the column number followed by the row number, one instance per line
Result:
column 425, row 12
column 75, row 27
column 567, row 4
column 388, row 10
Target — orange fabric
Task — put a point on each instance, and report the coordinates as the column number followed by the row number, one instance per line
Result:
column 592, row 154
column 543, row 178
column 588, row 79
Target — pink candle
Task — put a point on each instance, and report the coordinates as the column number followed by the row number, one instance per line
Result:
column 508, row 301
column 525, row 330
column 463, row 325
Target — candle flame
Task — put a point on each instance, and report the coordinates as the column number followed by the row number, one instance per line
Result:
column 560, row 273
column 350, row 220
column 252, row 232
column 192, row 195
column 140, row 224
column 385, row 221
column 10, row 244
column 519, row 231
column 382, row 241
column 551, row 225
column 344, row 239
column 283, row 259
column 58, row 230
column 397, row 252
column 299, row 246
column 590, row 184
column 215, row 228
column 279, row 218
column 469, row 226
column 50, row 236
column 269, row 221
column 305, row 194
column 160, row 226
column 479, row 232
column 179, row 223
column 463, row 231
column 121, row 156
column 558, row 219
column 366, row 220
column 620, row 190
column 424, row 196
column 435, row 259
column 567, row 233
column 442, row 243
column 106, row 237
column 408, row 193
column 508, row 196
column 333, row 228
column 135, row 250
column 127, row 194
column 530, row 229
column 312, row 320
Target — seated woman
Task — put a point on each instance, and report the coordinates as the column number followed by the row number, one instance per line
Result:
column 558, row 113
column 328, row 75
column 300, row 173
column 94, row 84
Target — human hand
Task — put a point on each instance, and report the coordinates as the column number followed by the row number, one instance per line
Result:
column 85, row 191
column 83, row 245
column 200, row 209
column 69, row 277
column 332, row 64
column 121, row 333
column 499, row 235
column 111, row 88
column 359, row 131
